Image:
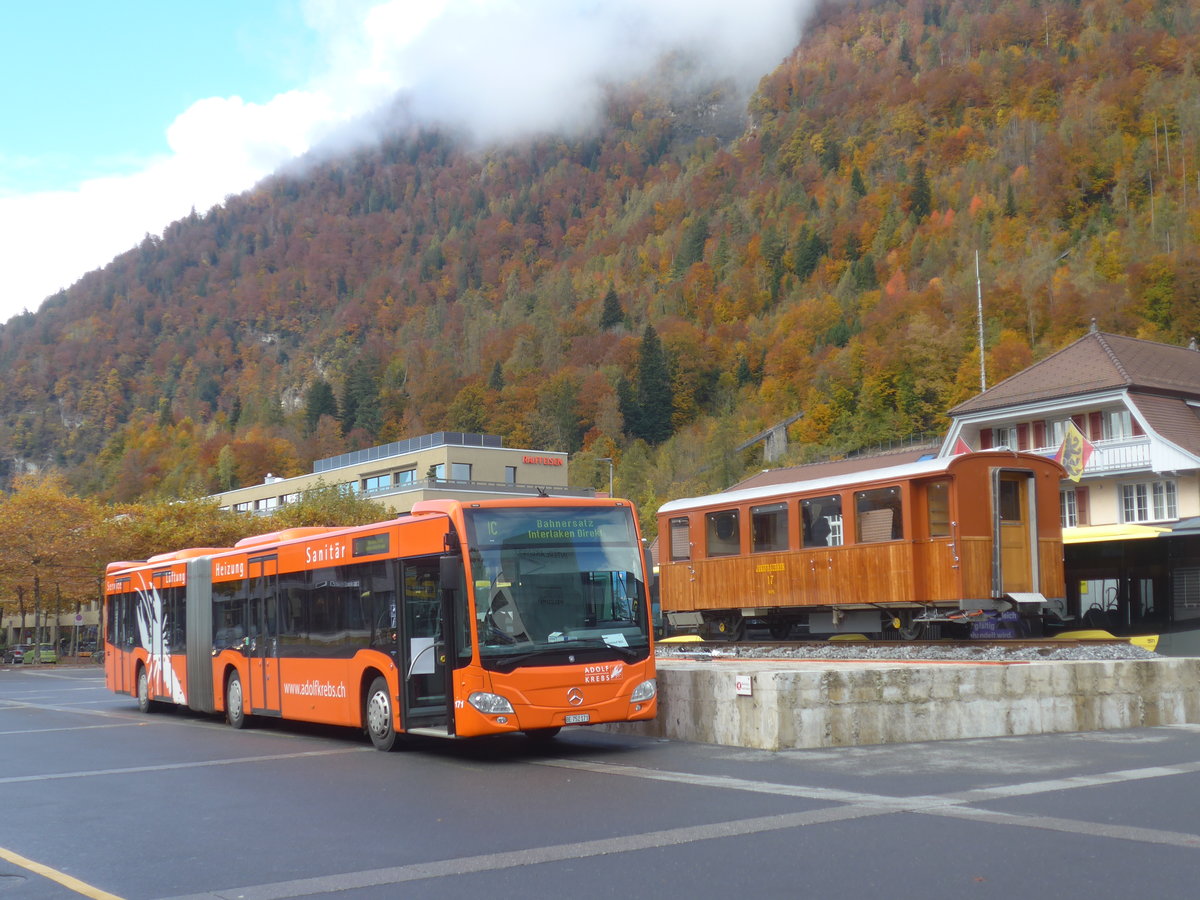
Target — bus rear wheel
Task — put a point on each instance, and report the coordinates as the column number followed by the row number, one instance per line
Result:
column 377, row 714
column 235, row 712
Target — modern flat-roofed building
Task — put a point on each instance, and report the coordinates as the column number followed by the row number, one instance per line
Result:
column 446, row 464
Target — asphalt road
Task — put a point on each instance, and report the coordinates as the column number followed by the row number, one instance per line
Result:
column 100, row 801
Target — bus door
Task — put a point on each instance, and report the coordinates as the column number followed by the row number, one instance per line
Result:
column 1015, row 552
column 262, row 626
column 158, row 644
column 119, row 618
column 422, row 651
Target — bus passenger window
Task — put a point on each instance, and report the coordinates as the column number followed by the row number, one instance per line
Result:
column 769, row 528
column 681, row 546
column 722, row 533
column 938, row 493
column 878, row 515
column 822, row 520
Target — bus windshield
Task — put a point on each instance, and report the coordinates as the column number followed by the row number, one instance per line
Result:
column 557, row 582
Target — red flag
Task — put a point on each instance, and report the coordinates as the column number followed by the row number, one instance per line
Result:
column 1075, row 451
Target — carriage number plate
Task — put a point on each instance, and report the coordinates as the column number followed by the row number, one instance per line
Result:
column 578, row 718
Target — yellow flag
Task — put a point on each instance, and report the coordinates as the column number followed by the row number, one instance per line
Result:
column 1075, row 452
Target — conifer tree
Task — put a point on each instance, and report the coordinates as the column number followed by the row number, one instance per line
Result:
column 611, row 314
column 360, row 399
column 655, row 397
column 318, row 401
column 922, row 196
column 857, row 184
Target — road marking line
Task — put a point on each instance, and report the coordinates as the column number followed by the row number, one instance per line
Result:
column 68, row 728
column 169, row 767
column 302, row 887
column 1073, row 826
column 67, row 881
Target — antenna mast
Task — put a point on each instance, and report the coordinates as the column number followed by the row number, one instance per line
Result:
column 979, row 316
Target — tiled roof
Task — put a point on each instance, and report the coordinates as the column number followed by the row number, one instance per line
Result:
column 1171, row 418
column 1095, row 362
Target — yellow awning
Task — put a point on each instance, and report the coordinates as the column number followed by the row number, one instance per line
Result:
column 1091, row 533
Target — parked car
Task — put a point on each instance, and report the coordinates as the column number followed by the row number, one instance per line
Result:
column 46, row 653
column 15, row 654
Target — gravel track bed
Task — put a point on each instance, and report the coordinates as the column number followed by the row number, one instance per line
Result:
column 900, row 651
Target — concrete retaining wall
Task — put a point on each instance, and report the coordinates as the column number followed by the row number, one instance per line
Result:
column 821, row 704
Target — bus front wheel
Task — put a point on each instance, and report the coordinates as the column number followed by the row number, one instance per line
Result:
column 235, row 713
column 145, row 704
column 378, row 715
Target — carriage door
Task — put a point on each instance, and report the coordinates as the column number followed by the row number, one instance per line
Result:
column 421, row 655
column 263, row 629
column 1015, row 569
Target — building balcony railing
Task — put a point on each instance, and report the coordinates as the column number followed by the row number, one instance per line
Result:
column 447, row 486
column 1131, row 454
column 476, row 487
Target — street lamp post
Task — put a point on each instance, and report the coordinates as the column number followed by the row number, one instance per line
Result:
column 608, row 459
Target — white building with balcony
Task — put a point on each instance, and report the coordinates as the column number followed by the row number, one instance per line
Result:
column 1132, row 520
column 1137, row 402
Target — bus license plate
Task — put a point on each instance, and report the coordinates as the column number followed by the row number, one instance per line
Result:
column 578, row 718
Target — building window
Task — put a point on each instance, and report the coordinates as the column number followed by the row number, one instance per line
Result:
column 438, row 472
column 1068, row 508
column 378, row 483
column 1148, row 501
column 406, row 476
column 1118, row 424
column 460, row 471
column 510, row 474
column 244, row 506
column 1005, row 437
column 769, row 528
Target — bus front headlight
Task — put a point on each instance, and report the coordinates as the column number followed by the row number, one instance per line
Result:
column 490, row 704
column 644, row 691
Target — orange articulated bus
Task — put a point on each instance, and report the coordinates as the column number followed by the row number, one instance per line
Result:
column 457, row 620
column 959, row 545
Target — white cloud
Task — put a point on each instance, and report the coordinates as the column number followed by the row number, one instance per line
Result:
column 497, row 67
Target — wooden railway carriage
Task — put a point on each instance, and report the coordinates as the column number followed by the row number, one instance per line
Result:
column 971, row 539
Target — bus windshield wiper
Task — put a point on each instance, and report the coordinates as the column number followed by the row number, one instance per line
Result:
column 626, row 652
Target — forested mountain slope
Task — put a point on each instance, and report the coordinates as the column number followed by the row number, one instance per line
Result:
column 663, row 289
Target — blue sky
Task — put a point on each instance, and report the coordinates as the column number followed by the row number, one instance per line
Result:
column 93, row 86
column 120, row 116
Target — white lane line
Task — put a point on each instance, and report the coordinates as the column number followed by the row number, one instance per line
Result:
column 1073, row 826
column 169, row 767
column 488, row 862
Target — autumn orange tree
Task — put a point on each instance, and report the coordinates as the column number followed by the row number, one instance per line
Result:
column 51, row 551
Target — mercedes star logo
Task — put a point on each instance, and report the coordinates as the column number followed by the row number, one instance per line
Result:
column 575, row 696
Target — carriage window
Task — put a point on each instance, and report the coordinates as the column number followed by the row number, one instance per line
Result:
column 681, row 546
column 722, row 533
column 1010, row 501
column 878, row 515
column 822, row 517
column 939, row 509
column 769, row 528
